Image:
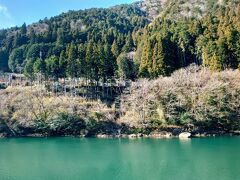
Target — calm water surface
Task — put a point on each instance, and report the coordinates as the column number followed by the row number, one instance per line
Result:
column 120, row 159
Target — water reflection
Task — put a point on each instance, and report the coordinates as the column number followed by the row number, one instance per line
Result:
column 185, row 140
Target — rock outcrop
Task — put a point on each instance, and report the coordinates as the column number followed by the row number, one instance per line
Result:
column 175, row 9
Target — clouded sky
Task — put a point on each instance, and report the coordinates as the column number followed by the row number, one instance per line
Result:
column 16, row 12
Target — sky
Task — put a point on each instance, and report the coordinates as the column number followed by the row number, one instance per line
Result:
column 16, row 12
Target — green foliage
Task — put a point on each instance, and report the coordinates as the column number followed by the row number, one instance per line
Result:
column 28, row 70
column 53, row 67
column 212, row 40
column 65, row 124
column 126, row 67
column 72, row 61
column 39, row 66
column 99, row 27
column 3, row 61
column 16, row 58
column 185, row 119
column 90, row 41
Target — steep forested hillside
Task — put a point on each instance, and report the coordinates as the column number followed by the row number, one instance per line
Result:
column 212, row 39
column 160, row 35
column 87, row 30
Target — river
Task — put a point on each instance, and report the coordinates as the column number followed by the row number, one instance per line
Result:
column 120, row 159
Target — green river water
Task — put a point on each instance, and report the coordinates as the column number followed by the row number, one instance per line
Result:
column 120, row 159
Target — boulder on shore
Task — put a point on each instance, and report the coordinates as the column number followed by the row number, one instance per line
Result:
column 185, row 135
column 3, row 135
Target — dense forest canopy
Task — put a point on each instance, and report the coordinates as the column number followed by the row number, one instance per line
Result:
column 144, row 39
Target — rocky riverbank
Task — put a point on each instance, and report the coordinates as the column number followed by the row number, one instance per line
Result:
column 105, row 133
column 166, row 135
